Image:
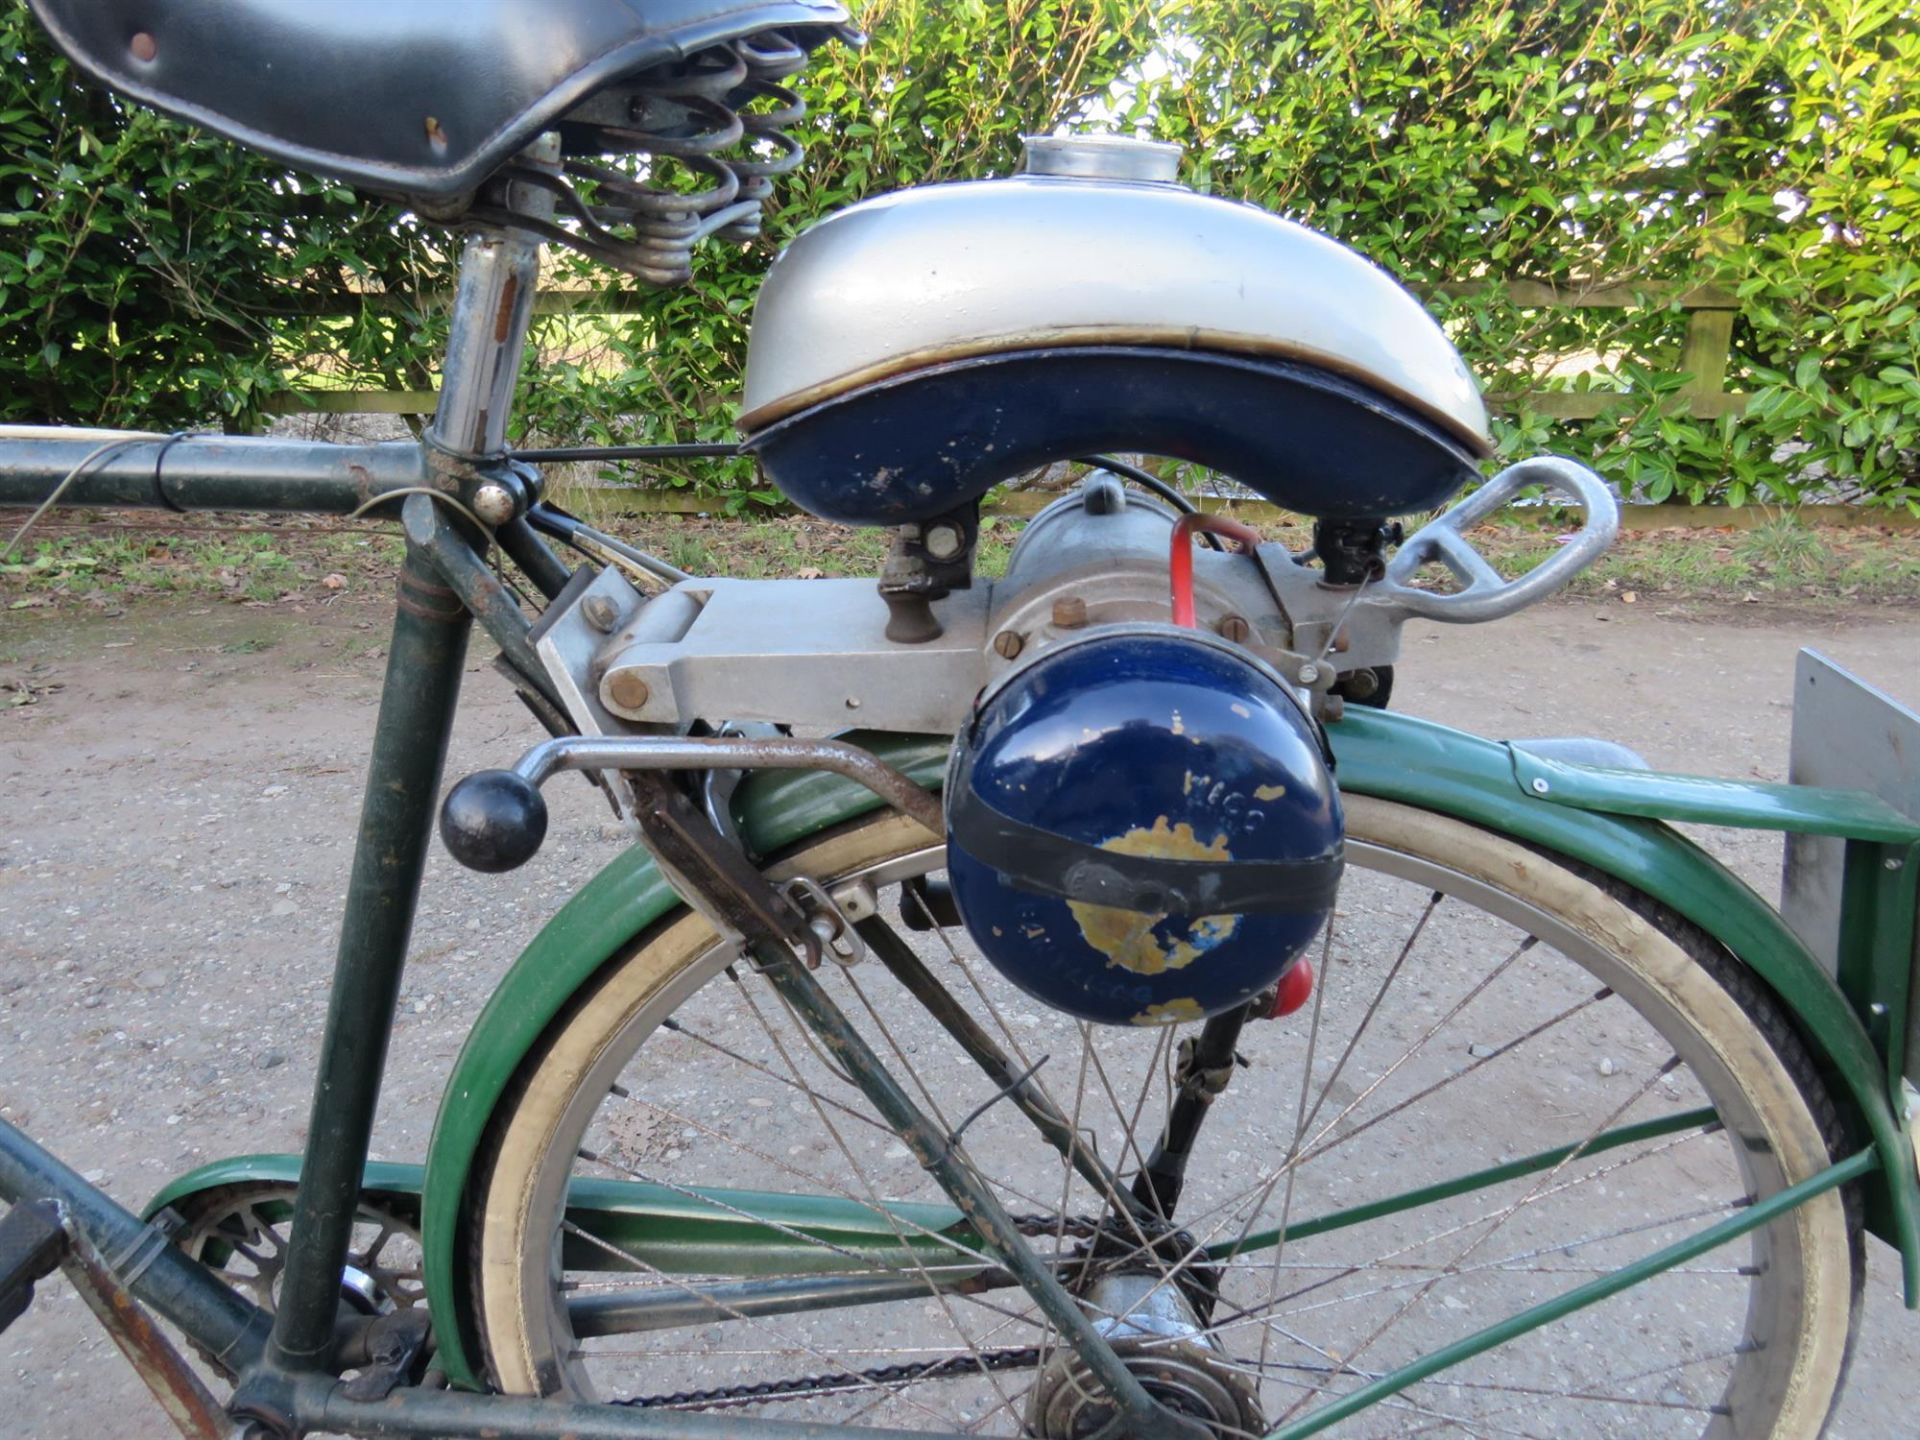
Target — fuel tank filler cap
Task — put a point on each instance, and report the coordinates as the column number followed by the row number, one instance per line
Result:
column 1102, row 157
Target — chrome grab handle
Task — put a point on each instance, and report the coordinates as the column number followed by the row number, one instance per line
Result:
column 1483, row 594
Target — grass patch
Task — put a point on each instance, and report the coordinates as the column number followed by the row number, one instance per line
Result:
column 1784, row 551
column 105, row 560
column 1785, row 558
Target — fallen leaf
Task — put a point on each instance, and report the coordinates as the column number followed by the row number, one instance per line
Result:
column 1630, row 597
column 810, row 573
column 335, row 581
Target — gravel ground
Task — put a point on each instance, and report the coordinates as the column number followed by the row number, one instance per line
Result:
column 179, row 801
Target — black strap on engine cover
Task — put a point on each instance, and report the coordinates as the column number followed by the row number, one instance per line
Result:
column 1049, row 864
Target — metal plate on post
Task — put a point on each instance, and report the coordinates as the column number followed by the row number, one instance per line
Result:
column 808, row 653
column 1848, row 736
column 566, row 641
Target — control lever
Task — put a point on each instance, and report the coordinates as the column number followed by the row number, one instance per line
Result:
column 496, row 820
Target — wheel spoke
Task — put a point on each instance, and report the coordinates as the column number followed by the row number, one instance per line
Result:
column 847, row 1154
column 709, row 1298
column 1443, row 1194
column 1498, row 1222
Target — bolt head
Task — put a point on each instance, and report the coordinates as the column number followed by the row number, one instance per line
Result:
column 1309, row 674
column 1234, row 628
column 599, row 612
column 1069, row 612
column 1008, row 643
column 493, row 504
column 944, row 541
column 624, row 690
column 1540, row 786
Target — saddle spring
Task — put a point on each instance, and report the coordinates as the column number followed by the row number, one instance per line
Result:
column 654, row 165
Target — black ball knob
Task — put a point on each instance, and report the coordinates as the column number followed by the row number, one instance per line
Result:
column 493, row 820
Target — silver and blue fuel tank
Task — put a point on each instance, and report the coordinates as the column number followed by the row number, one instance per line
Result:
column 914, row 349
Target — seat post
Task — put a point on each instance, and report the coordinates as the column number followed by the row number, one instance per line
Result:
column 492, row 305
column 499, row 270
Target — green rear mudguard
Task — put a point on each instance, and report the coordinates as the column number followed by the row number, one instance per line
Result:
column 1379, row 753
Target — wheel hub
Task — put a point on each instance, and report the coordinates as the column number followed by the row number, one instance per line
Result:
column 1151, row 1324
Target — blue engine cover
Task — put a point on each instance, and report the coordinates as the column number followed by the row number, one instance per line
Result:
column 1143, row 827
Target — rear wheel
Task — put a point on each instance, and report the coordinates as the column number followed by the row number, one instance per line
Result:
column 1513, row 1077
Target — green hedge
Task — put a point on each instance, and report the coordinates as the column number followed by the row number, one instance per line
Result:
column 151, row 276
column 1765, row 148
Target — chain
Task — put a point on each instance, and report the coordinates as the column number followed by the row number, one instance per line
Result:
column 954, row 1367
column 1078, row 1227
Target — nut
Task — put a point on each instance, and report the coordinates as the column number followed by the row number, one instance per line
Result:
column 1069, row 612
column 599, row 612
column 493, row 504
column 1008, row 643
column 625, row 690
column 1234, row 628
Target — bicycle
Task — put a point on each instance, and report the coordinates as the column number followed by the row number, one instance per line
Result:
column 956, row 1224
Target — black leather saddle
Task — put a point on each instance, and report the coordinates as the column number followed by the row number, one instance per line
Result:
column 421, row 98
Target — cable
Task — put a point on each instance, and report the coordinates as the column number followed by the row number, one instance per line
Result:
column 160, row 496
column 1180, row 559
column 702, row 451
column 550, row 519
column 112, row 447
column 1147, row 480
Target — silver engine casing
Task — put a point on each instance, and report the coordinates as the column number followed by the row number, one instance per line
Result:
column 814, row 653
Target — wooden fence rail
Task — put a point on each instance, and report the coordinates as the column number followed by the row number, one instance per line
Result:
column 1703, row 356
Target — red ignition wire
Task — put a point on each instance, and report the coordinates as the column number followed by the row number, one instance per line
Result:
column 1180, row 561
